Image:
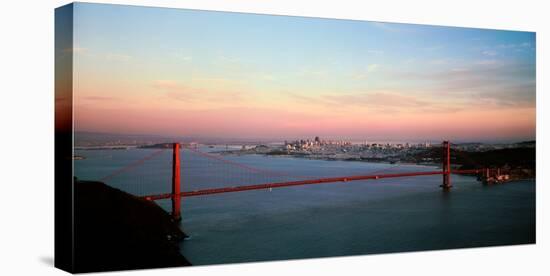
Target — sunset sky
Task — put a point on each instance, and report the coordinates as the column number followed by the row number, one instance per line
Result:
column 227, row 75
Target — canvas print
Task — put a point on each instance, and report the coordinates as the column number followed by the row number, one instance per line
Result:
column 190, row 137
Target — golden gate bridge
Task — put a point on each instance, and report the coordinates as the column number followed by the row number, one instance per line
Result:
column 176, row 194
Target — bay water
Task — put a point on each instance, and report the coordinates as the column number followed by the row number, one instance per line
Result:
column 335, row 219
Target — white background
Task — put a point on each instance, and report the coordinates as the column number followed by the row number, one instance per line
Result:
column 26, row 137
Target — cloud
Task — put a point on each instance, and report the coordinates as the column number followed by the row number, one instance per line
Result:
column 515, row 45
column 364, row 74
column 267, row 77
column 433, row 48
column 229, row 60
column 376, row 101
column 372, row 68
column 440, row 61
column 392, row 27
column 505, row 96
column 118, row 57
column 311, row 72
column 460, row 70
column 409, row 61
column 234, row 64
column 489, row 53
column 309, row 100
column 167, row 84
column 397, row 28
column 487, row 62
column 375, row 52
column 99, row 98
column 487, row 83
column 177, row 91
column 489, row 71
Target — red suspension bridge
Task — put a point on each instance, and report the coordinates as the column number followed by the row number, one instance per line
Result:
column 176, row 194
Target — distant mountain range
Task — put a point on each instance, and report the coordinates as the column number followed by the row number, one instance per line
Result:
column 86, row 138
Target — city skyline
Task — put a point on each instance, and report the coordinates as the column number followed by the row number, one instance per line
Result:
column 177, row 72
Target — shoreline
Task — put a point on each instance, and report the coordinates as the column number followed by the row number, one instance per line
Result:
column 303, row 156
column 515, row 173
column 118, row 231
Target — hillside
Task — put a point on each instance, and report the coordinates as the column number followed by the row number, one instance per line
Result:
column 116, row 231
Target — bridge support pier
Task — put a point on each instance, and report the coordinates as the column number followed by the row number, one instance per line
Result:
column 446, row 166
column 176, row 191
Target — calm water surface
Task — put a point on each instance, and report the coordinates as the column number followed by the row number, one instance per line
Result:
column 348, row 218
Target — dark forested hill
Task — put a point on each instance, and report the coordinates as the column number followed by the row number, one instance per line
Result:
column 115, row 230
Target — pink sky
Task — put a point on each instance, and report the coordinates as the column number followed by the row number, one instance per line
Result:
column 241, row 76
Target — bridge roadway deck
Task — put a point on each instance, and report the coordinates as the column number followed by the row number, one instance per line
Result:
column 305, row 182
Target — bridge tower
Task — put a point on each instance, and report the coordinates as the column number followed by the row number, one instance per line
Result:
column 176, row 191
column 446, row 165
